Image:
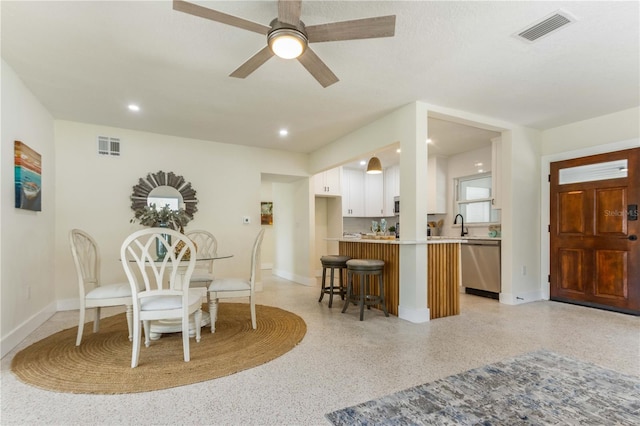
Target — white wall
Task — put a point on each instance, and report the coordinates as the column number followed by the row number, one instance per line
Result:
column 321, row 231
column 606, row 129
column 94, row 191
column 520, row 214
column 328, row 224
column 27, row 237
column 295, row 240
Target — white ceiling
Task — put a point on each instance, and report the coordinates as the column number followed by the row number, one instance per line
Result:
column 86, row 61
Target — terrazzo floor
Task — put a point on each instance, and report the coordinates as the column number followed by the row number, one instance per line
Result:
column 340, row 362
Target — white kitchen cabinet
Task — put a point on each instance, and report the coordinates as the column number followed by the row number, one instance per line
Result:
column 352, row 192
column 496, row 173
column 437, row 185
column 374, row 195
column 327, row 183
column 391, row 188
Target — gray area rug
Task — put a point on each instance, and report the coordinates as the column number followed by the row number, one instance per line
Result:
column 538, row 388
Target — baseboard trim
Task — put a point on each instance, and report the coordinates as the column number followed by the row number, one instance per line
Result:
column 520, row 298
column 68, row 304
column 21, row 332
column 414, row 315
column 308, row 281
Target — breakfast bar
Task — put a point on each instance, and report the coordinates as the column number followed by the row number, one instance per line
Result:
column 443, row 270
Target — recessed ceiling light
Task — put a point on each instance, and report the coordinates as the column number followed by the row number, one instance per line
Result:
column 363, row 162
column 284, row 132
column 429, row 140
column 478, row 164
column 133, row 107
column 398, row 150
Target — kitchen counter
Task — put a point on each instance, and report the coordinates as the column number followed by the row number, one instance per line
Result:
column 466, row 237
column 429, row 240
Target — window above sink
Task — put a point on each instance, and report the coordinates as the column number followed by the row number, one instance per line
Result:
column 474, row 199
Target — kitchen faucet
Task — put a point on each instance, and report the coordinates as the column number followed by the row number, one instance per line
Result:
column 455, row 222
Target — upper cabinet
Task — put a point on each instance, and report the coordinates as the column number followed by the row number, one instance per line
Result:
column 365, row 195
column 327, row 183
column 496, row 173
column 437, row 185
column 374, row 195
column 352, row 192
column 391, row 188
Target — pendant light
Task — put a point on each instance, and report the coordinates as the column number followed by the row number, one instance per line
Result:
column 375, row 166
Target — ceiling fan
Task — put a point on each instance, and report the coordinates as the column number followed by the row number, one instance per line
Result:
column 288, row 37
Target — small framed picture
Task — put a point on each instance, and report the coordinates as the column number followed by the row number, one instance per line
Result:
column 28, row 177
column 266, row 213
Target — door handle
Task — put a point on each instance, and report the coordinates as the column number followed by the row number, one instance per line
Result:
column 633, row 237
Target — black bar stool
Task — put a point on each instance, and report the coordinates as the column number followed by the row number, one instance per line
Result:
column 366, row 269
column 333, row 262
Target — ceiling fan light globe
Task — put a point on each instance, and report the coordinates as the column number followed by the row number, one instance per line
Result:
column 287, row 44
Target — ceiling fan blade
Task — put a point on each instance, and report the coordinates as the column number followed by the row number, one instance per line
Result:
column 318, row 69
column 289, row 11
column 214, row 15
column 381, row 26
column 253, row 63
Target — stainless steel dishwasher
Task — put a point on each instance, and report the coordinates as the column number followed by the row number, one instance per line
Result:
column 481, row 267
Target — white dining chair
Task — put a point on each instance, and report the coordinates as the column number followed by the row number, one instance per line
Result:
column 164, row 284
column 222, row 288
column 206, row 248
column 93, row 293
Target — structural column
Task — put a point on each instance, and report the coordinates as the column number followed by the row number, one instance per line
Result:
column 413, row 213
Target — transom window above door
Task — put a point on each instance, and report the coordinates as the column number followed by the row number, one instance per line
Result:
column 593, row 172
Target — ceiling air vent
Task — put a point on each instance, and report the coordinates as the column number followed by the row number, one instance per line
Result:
column 545, row 26
column 108, row 146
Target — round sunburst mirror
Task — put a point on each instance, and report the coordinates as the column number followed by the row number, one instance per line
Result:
column 165, row 188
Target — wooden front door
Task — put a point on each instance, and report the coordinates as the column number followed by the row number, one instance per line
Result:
column 595, row 252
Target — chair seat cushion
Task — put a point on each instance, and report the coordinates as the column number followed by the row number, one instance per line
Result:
column 156, row 303
column 110, row 291
column 334, row 260
column 365, row 264
column 197, row 278
column 230, row 284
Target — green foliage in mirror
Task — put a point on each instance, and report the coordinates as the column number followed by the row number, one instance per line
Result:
column 151, row 216
column 141, row 191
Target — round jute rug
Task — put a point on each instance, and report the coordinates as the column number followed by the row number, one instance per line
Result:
column 102, row 362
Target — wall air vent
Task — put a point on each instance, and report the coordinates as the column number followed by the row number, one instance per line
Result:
column 108, row 146
column 545, row 26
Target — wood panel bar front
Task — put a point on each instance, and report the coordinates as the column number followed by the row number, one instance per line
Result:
column 443, row 274
column 443, row 277
column 390, row 254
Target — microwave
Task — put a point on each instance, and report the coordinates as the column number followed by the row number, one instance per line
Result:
column 396, row 205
